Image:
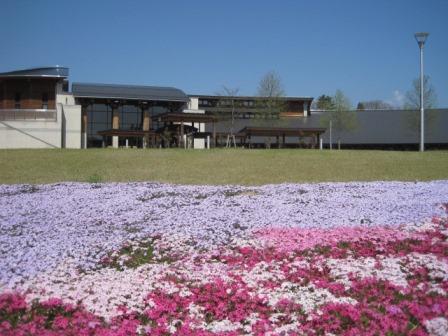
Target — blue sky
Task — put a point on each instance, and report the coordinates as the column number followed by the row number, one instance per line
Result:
column 365, row 48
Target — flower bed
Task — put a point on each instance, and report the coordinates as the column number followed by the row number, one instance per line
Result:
column 153, row 259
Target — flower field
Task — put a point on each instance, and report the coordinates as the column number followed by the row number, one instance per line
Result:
column 289, row 259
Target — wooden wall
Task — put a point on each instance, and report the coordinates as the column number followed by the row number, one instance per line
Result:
column 31, row 91
column 293, row 109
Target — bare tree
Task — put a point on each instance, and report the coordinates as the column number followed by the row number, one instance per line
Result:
column 228, row 99
column 412, row 102
column 340, row 118
column 413, row 96
column 270, row 90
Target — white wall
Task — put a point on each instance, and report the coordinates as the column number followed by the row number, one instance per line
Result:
column 193, row 104
column 193, row 108
column 64, row 131
column 65, row 99
column 72, row 114
column 31, row 133
column 199, row 143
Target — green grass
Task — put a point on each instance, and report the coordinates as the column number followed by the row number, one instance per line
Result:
column 220, row 166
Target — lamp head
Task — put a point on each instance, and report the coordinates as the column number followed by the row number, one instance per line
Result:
column 421, row 38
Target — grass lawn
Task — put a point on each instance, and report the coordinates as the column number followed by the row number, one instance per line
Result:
column 220, row 166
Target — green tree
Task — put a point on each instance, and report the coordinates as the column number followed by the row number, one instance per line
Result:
column 374, row 105
column 340, row 117
column 324, row 102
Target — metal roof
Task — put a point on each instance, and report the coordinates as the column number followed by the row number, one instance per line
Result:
column 201, row 96
column 52, row 72
column 373, row 127
column 128, row 92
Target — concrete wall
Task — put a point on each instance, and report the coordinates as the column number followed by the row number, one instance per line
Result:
column 31, row 133
column 193, row 104
column 193, row 108
column 64, row 132
column 72, row 125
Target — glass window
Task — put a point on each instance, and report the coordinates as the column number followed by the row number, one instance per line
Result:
column 99, row 118
column 131, row 117
column 17, row 98
column 45, row 101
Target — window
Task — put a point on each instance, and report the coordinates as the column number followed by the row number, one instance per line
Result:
column 45, row 101
column 17, row 98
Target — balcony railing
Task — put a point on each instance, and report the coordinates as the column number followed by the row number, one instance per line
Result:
column 27, row 114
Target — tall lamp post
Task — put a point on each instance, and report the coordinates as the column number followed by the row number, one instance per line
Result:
column 421, row 38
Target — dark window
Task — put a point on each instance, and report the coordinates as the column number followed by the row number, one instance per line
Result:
column 131, row 117
column 17, row 98
column 45, row 101
column 99, row 117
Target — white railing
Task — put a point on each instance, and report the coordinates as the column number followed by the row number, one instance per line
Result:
column 27, row 114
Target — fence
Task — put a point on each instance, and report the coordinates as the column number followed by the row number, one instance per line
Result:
column 27, row 114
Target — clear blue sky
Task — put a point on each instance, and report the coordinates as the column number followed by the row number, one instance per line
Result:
column 365, row 48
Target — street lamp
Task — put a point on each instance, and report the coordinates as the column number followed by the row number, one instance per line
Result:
column 421, row 38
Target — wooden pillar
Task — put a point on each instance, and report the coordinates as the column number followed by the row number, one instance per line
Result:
column 284, row 141
column 181, row 140
column 146, row 125
column 214, row 133
column 84, row 122
column 115, row 123
column 5, row 97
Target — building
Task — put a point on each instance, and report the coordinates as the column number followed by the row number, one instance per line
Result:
column 37, row 110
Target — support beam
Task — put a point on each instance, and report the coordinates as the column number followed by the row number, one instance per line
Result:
column 146, row 124
column 214, row 134
column 181, row 140
column 84, row 122
column 115, row 123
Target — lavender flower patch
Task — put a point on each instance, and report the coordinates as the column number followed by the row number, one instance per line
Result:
column 43, row 225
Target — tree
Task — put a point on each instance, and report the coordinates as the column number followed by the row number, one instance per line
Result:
column 324, row 102
column 270, row 90
column 340, row 117
column 413, row 96
column 228, row 99
column 374, row 105
column 412, row 102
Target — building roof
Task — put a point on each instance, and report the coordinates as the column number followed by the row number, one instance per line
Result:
column 248, row 97
column 51, row 72
column 184, row 117
column 128, row 92
column 277, row 131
